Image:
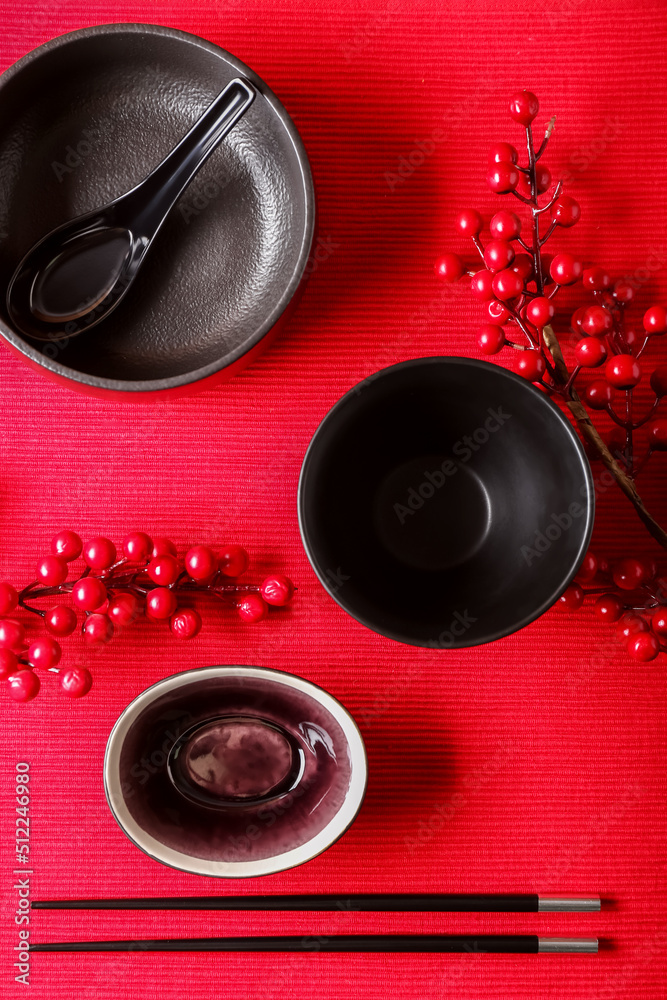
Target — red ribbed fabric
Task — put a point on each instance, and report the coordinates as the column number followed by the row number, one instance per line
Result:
column 533, row 764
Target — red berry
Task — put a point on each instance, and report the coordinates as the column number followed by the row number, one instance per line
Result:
column 565, row 211
column 651, row 567
column 505, row 226
column 590, row 352
column 481, row 285
column 23, row 685
column 588, row 569
column 609, row 608
column 655, row 320
column 123, row 609
column 503, row 177
column 163, row 547
column 659, row 380
column 523, row 265
column 598, row 394
column 490, row 338
column 52, row 571
column 496, row 312
column 622, row 371
column 629, row 574
column 576, row 320
column 185, row 624
column 164, row 570
column 12, row 634
column 659, row 622
column 60, row 620
column 631, row 339
column 657, row 433
column 596, row 321
column 98, row 629
column 630, row 625
column 161, row 603
column 67, row 544
column 137, row 546
column 9, row 598
column 45, row 653
column 502, row 152
column 596, row 279
column 644, row 647
column 565, row 269
column 524, row 106
column 201, row 562
column 623, row 292
column 89, row 593
column 9, row 662
column 507, row 285
column 498, row 255
column 233, row 560
column 572, row 598
column 542, row 178
column 252, row 608
column 99, row 553
column 540, row 311
column 277, row 590
column 449, row 267
column 469, row 222
column 76, row 682
column 531, row 365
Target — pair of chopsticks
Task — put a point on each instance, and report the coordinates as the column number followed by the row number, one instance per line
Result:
column 355, row 902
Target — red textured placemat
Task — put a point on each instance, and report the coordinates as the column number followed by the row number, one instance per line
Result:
column 536, row 763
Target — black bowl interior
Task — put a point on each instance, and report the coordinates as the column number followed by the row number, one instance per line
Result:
column 86, row 119
column 445, row 502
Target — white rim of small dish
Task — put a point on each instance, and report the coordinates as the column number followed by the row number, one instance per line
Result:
column 155, row 849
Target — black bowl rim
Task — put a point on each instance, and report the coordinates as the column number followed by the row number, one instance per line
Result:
column 503, row 373
column 197, row 375
column 240, row 869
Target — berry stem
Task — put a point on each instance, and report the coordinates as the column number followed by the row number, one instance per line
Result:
column 547, row 136
column 590, row 433
column 534, row 211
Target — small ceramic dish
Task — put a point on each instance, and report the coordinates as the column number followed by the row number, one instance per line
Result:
column 445, row 502
column 234, row 771
column 87, row 116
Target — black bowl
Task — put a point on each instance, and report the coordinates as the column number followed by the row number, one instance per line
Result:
column 87, row 116
column 445, row 502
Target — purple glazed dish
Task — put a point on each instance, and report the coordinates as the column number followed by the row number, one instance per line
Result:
column 234, row 771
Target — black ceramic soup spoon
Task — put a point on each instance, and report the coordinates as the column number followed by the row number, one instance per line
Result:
column 74, row 277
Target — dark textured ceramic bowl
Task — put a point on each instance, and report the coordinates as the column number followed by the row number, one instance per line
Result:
column 234, row 771
column 445, row 502
column 82, row 120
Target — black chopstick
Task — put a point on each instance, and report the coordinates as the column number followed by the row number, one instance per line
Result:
column 373, row 902
column 527, row 944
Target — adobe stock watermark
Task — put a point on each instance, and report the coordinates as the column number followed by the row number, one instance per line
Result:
column 199, row 197
column 334, row 579
column 587, row 153
column 463, row 449
column 267, row 816
column 451, row 121
column 558, row 524
column 324, row 248
column 74, row 155
column 457, row 628
column 52, row 348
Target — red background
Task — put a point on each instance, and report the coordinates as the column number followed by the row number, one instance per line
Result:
column 536, row 763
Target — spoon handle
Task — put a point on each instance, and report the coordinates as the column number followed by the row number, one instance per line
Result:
column 150, row 201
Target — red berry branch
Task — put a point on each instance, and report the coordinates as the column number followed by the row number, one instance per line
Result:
column 112, row 593
column 518, row 281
